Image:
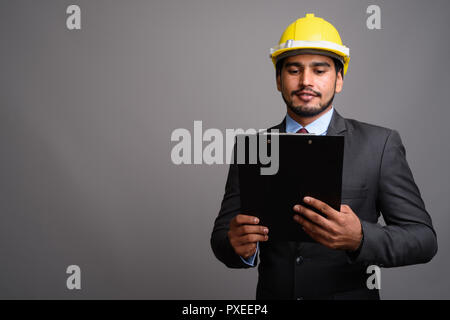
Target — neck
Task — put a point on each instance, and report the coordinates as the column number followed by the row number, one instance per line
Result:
column 304, row 121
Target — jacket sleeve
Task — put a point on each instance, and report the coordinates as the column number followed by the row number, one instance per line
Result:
column 230, row 207
column 408, row 237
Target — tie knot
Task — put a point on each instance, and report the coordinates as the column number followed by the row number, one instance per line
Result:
column 302, row 130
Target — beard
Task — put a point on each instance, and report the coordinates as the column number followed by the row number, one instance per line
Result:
column 308, row 112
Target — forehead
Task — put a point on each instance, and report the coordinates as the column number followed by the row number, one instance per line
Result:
column 306, row 59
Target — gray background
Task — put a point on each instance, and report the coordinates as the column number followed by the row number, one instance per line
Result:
column 86, row 118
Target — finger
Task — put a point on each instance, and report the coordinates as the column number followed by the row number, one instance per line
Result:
column 317, row 237
column 251, row 229
column 321, row 206
column 312, row 228
column 252, row 238
column 244, row 219
column 313, row 216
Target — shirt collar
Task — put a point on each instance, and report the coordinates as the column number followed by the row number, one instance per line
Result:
column 317, row 127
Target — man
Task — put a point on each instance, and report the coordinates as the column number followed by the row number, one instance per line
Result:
column 310, row 65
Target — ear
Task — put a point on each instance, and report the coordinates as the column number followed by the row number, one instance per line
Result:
column 279, row 81
column 339, row 82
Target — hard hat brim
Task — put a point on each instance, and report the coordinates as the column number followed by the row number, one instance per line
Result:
column 321, row 52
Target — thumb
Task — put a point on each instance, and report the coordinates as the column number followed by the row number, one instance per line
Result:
column 346, row 209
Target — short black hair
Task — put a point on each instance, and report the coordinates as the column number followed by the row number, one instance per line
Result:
column 337, row 65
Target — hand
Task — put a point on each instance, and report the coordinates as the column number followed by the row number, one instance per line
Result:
column 338, row 230
column 244, row 234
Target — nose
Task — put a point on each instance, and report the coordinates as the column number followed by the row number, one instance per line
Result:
column 306, row 78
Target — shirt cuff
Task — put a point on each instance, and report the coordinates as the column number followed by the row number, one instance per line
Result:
column 251, row 260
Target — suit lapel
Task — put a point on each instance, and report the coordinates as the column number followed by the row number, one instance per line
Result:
column 337, row 125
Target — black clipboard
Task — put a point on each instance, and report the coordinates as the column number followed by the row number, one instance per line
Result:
column 309, row 165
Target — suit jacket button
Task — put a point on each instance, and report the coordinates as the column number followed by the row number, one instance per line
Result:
column 300, row 298
column 299, row 260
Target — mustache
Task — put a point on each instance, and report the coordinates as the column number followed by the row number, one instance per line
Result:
column 317, row 93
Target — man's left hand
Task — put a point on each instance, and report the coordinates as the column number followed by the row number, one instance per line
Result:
column 337, row 230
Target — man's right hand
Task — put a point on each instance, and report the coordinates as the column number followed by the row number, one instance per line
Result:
column 244, row 234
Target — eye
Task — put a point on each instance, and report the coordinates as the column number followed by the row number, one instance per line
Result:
column 293, row 71
column 319, row 71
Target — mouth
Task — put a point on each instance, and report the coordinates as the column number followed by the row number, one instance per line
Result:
column 306, row 96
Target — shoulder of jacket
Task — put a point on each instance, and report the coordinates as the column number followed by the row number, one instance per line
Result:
column 371, row 129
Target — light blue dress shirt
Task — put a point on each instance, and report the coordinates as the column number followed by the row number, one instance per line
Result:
column 318, row 127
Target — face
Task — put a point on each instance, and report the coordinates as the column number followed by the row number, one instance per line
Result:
column 308, row 84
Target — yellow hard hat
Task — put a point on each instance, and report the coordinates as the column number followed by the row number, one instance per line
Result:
column 311, row 34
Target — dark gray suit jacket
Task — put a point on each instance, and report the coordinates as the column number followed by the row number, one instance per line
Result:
column 376, row 180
